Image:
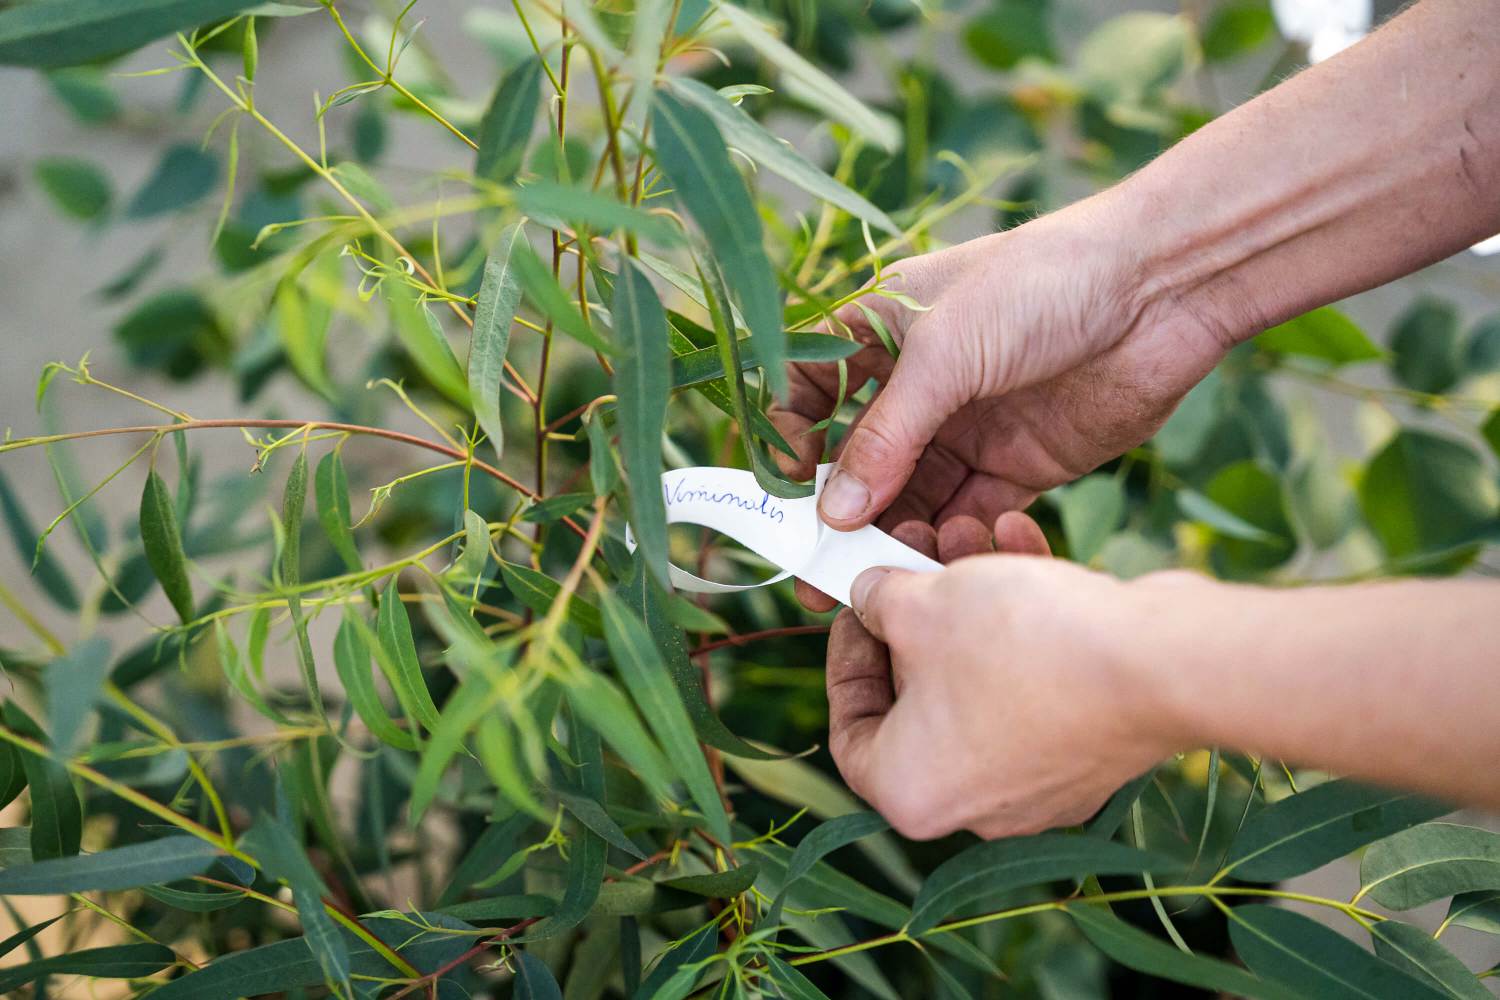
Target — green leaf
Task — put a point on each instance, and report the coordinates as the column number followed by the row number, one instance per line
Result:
column 556, row 507
column 1091, row 509
column 293, row 504
column 584, row 208
column 1320, row 500
column 1009, row 31
column 505, row 129
column 588, row 851
column 494, row 310
column 302, row 326
column 1430, row 862
column 552, row 300
column 593, row 815
column 121, row 961
column 1287, row 947
column 12, row 774
column 690, row 150
column 86, row 92
column 74, row 682
column 1132, row 56
column 705, row 365
column 1326, row 334
column 791, row 984
column 1427, row 346
column 163, row 543
column 601, row 704
column 173, row 332
column 751, row 138
column 286, row 965
column 131, row 867
column 808, row 84
column 1482, row 356
column 641, row 382
column 647, row 600
column 987, row 870
column 1427, row 493
column 351, row 657
column 604, row 473
column 45, row 570
column 184, row 176
column 73, row 32
column 422, row 336
column 1135, row 949
column 76, row 186
column 1418, row 954
column 1478, row 911
column 331, row 494
column 651, row 687
column 538, row 591
column 534, row 981
column 282, row 858
column 25, row 934
column 1237, row 28
column 828, row 837
column 1250, row 495
column 56, row 815
column 399, row 662
column 1326, row 822
column 716, row 885
column 461, row 713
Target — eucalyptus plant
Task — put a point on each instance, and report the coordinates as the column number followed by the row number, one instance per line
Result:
column 444, row 734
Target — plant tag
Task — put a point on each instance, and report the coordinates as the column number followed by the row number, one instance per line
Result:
column 787, row 533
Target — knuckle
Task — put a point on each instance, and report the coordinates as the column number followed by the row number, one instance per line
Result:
column 916, row 812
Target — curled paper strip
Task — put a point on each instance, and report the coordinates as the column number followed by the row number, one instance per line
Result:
column 787, row 533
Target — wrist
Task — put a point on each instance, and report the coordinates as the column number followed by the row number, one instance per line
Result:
column 1170, row 666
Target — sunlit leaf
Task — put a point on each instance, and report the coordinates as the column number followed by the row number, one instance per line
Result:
column 1325, row 334
column 1426, row 493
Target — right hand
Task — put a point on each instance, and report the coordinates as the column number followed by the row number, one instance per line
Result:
column 1042, row 354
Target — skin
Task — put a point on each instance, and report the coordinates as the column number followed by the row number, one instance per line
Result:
column 1010, row 693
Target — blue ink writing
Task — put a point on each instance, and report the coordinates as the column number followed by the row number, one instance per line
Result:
column 682, row 492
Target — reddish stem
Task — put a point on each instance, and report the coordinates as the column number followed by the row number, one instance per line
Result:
column 748, row 637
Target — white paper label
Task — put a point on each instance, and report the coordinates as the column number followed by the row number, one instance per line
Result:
column 787, row 533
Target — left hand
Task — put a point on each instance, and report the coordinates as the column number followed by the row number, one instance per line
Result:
column 994, row 696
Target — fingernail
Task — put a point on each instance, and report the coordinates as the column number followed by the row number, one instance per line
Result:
column 844, row 498
column 859, row 591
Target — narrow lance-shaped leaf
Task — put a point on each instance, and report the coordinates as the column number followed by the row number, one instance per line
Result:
column 706, row 364
column 400, row 662
column 1430, row 862
column 422, row 336
column 293, row 503
column 163, row 543
column 554, row 302
column 507, row 123
column 119, row 868
column 283, row 858
column 1326, row 822
column 986, row 870
column 560, row 205
column 351, row 657
column 642, row 385
column 495, row 308
column 750, row 137
column 331, row 491
column 82, row 31
column 651, row 687
column 1314, row 960
column 1135, row 949
column 56, row 814
column 45, row 570
column 1420, row 955
column 603, row 473
column 74, row 682
column 690, row 150
column 588, row 851
column 121, row 961
column 12, row 774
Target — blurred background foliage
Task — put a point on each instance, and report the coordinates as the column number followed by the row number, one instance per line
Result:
column 1347, row 444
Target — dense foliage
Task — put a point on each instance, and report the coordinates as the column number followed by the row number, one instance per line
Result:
column 468, row 744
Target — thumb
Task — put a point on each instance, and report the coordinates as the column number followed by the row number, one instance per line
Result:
column 886, row 599
column 883, row 446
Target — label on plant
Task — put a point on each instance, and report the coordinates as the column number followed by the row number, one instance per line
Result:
column 786, row 533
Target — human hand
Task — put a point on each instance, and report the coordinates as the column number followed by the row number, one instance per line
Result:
column 996, row 695
column 1042, row 354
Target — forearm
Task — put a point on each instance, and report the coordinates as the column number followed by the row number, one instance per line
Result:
column 1376, row 163
column 1397, row 683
